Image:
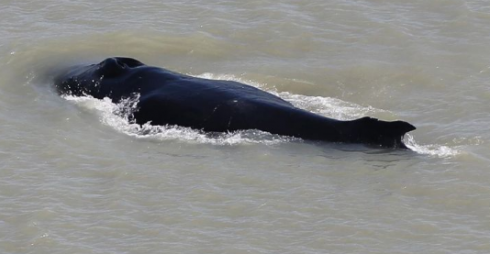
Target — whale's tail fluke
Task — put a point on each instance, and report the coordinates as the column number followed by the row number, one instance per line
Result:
column 377, row 132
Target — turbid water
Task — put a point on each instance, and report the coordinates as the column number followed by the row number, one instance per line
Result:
column 77, row 178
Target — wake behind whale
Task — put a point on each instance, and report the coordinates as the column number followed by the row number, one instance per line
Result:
column 169, row 98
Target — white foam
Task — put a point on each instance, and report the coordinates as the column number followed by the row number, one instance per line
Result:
column 326, row 106
column 433, row 150
column 329, row 107
column 117, row 116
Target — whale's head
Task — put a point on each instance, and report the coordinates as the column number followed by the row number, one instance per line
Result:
column 91, row 79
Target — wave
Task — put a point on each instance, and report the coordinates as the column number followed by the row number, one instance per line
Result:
column 118, row 117
column 326, row 106
column 431, row 149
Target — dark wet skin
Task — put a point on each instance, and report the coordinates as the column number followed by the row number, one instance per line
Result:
column 170, row 98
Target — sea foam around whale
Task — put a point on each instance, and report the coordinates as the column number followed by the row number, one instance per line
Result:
column 117, row 116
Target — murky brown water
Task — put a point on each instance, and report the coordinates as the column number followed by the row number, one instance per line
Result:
column 74, row 178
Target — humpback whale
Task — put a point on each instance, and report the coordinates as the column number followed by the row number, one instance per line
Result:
column 170, row 98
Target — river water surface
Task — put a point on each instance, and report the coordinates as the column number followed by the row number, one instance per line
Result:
column 76, row 178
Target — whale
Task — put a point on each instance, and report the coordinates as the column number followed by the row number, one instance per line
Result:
column 165, row 97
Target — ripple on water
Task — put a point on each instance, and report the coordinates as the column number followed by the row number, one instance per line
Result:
column 117, row 117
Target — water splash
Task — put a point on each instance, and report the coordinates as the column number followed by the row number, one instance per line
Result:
column 433, row 150
column 118, row 117
column 329, row 107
